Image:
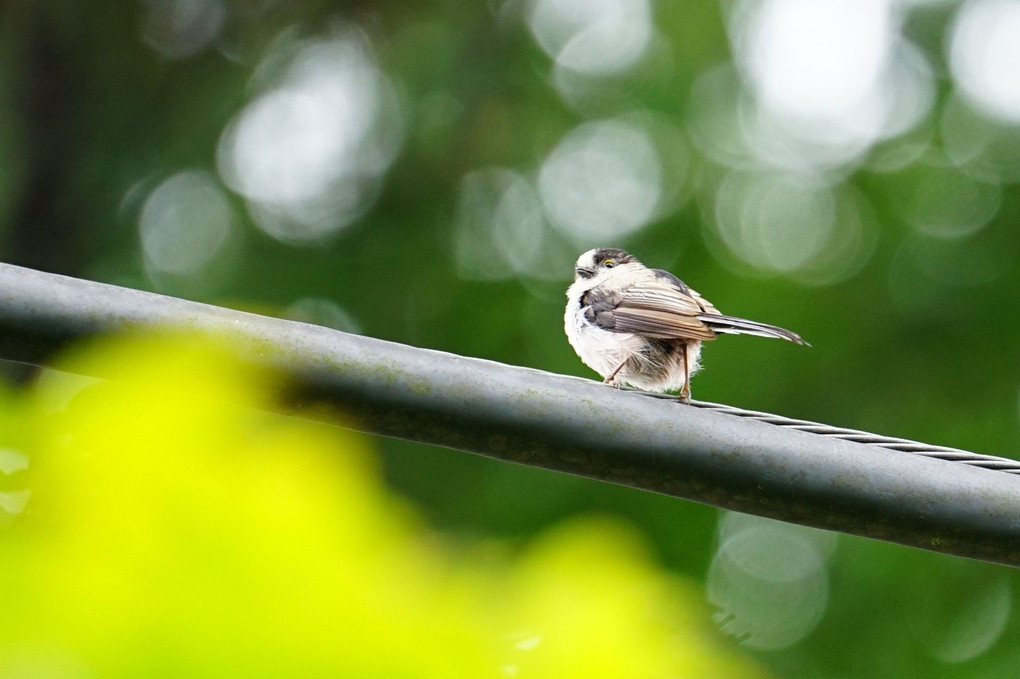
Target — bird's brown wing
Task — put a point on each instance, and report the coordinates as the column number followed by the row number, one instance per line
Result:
column 654, row 305
column 706, row 306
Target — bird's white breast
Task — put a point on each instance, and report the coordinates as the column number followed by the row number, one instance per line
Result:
column 605, row 351
column 601, row 350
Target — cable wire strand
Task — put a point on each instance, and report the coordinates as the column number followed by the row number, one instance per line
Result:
column 1001, row 464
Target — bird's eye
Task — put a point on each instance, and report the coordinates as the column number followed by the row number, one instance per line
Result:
column 609, row 264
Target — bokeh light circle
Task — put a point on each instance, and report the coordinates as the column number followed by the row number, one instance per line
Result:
column 830, row 79
column 184, row 223
column 984, row 56
column 769, row 581
column 963, row 619
column 602, row 182
column 984, row 148
column 946, row 203
column 310, row 152
column 815, row 59
column 775, row 222
column 324, row 312
column 791, row 224
column 499, row 227
column 178, row 29
column 595, row 37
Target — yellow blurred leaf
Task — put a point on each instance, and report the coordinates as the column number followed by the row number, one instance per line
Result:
column 173, row 528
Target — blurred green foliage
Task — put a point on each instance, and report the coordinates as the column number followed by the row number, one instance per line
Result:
column 174, row 530
column 388, row 168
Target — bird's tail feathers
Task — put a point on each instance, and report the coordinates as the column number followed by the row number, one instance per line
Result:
column 732, row 325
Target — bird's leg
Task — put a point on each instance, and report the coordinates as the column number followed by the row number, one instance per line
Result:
column 609, row 380
column 685, row 393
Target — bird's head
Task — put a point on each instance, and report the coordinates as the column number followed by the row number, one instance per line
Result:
column 599, row 260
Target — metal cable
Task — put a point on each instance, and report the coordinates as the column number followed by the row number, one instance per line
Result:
column 1001, row 464
column 839, row 479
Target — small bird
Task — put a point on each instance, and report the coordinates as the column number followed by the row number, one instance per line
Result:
column 644, row 327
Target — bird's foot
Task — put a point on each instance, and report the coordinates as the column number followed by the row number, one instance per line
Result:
column 685, row 395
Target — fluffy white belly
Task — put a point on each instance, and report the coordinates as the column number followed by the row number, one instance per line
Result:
column 604, row 352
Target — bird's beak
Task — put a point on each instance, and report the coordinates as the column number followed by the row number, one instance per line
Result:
column 584, row 272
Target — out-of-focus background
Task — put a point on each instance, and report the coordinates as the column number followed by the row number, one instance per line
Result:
column 428, row 172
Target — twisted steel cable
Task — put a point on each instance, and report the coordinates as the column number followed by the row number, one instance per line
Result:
column 1001, row 464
